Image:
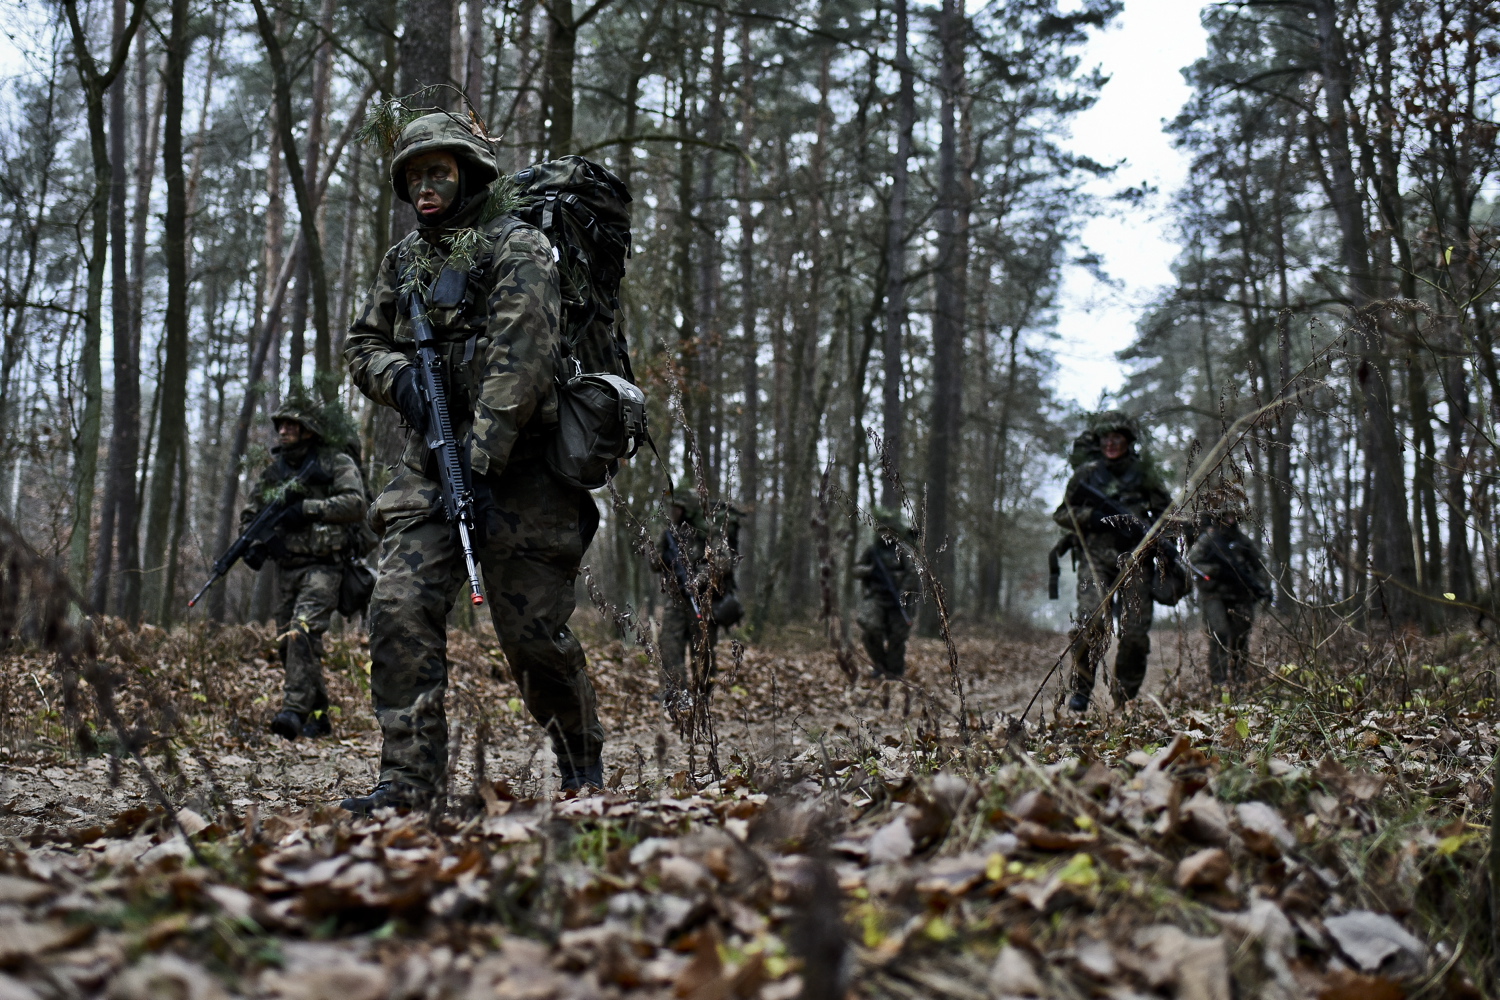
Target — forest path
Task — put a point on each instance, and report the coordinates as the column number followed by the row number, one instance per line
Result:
column 772, row 705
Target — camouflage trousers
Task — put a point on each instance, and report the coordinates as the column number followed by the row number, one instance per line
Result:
column 1229, row 622
column 681, row 631
column 533, row 539
column 884, row 632
column 1131, row 607
column 309, row 595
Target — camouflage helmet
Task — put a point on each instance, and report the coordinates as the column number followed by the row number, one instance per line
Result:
column 301, row 411
column 441, row 132
column 1116, row 422
column 685, row 495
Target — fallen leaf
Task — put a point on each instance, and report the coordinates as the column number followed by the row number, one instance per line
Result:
column 1359, row 785
column 1045, row 839
column 1342, row 984
column 1264, row 830
column 23, row 891
column 1197, row 968
column 1371, row 939
column 892, row 842
column 167, row 977
column 1206, row 869
column 1013, row 975
column 14, row 989
column 21, row 941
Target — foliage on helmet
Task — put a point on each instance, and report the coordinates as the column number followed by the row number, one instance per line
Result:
column 1115, row 422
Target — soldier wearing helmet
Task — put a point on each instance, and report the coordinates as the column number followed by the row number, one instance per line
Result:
column 312, row 539
column 888, row 590
column 1234, row 580
column 1119, row 471
column 499, row 333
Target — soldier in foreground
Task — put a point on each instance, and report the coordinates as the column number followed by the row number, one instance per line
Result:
column 888, row 579
column 1236, row 581
column 498, row 345
column 326, row 499
column 1119, row 477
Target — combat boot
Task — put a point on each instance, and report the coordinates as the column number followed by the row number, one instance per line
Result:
column 576, row 778
column 387, row 795
column 317, row 725
column 287, row 724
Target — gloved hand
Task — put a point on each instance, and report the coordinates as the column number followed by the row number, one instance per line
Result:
column 294, row 516
column 483, row 493
column 409, row 399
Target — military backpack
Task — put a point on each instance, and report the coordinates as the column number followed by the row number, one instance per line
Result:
column 583, row 209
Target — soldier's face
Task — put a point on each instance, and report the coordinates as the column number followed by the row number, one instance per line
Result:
column 432, row 181
column 678, row 513
column 1114, row 445
column 289, row 432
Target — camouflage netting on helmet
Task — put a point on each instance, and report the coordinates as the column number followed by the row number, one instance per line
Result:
column 329, row 420
column 1115, row 422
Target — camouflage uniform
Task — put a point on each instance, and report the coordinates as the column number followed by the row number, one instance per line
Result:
column 499, row 348
column 1237, row 578
column 1134, row 482
column 310, row 558
column 881, row 624
column 707, row 580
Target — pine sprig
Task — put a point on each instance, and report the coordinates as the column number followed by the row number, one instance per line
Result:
column 384, row 121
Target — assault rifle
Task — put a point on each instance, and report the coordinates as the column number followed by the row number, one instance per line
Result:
column 259, row 540
column 1125, row 523
column 884, row 573
column 678, row 566
column 458, row 498
column 1054, row 570
column 1257, row 589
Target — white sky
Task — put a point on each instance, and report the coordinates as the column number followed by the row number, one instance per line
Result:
column 1143, row 53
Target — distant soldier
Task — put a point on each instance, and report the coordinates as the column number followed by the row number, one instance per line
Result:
column 888, row 578
column 312, row 540
column 700, row 590
column 1118, row 477
column 1236, row 581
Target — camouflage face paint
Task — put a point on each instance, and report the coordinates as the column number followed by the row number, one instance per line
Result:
column 432, row 181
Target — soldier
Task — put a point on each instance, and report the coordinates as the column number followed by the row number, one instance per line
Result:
column 498, row 348
column 700, row 590
column 1236, row 580
column 888, row 579
column 312, row 539
column 1130, row 479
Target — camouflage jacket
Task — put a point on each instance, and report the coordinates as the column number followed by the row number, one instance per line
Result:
column 1132, row 481
column 1232, row 560
column 499, row 346
column 333, row 502
column 898, row 564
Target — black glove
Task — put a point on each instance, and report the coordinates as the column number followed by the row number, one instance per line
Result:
column 294, row 516
column 409, row 399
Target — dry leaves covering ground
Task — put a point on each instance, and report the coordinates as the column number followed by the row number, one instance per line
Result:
column 1302, row 841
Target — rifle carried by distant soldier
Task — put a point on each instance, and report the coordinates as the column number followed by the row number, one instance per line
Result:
column 678, row 566
column 259, row 541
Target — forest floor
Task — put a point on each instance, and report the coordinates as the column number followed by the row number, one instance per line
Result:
column 861, row 839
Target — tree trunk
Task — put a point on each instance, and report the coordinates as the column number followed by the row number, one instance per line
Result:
column 307, row 210
column 895, row 292
column 947, row 320
column 172, row 423
column 474, row 53
column 1390, row 554
column 424, row 60
column 119, row 476
column 749, row 344
column 557, row 76
column 95, row 85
